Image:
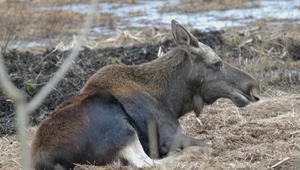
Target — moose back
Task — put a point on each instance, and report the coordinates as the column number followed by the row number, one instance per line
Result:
column 108, row 119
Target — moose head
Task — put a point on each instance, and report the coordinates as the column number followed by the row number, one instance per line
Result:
column 210, row 77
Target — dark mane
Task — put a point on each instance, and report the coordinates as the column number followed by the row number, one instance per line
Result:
column 158, row 73
column 155, row 75
column 168, row 63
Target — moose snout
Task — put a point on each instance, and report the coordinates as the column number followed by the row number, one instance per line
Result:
column 254, row 92
column 255, row 95
column 243, row 98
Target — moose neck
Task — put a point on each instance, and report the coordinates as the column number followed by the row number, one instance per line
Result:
column 167, row 78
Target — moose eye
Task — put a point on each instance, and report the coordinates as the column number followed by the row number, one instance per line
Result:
column 218, row 65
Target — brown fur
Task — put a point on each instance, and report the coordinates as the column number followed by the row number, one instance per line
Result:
column 51, row 132
column 152, row 77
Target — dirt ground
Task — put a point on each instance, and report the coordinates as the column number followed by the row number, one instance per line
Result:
column 263, row 135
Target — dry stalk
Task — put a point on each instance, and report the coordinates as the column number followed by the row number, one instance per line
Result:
column 153, row 140
column 9, row 27
column 7, row 37
column 199, row 121
column 23, row 108
column 280, row 162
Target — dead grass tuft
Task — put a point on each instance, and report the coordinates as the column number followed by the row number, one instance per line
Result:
column 128, row 38
column 193, row 6
column 264, row 132
column 270, row 54
column 124, row 1
column 41, row 24
column 26, row 22
column 9, row 156
column 255, row 137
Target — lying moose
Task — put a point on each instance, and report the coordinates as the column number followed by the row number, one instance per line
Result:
column 108, row 119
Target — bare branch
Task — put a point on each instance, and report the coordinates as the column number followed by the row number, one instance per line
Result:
column 8, row 87
column 23, row 109
column 280, row 162
column 36, row 101
column 153, row 140
column 22, row 133
column 20, row 105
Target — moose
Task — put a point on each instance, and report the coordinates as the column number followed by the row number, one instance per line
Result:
column 107, row 120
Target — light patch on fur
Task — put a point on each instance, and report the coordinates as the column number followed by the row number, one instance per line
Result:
column 59, row 167
column 135, row 154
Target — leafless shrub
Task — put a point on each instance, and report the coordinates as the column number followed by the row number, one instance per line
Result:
column 9, row 27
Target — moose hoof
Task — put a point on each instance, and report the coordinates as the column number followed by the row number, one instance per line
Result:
column 198, row 150
column 204, row 143
column 208, row 143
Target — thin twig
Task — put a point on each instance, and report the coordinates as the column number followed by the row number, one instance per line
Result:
column 23, row 109
column 20, row 105
column 280, row 162
column 153, row 139
column 199, row 121
column 11, row 91
column 294, row 133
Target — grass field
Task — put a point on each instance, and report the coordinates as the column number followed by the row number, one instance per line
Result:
column 263, row 135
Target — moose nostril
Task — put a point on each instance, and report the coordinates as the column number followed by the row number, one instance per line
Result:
column 256, row 98
column 254, row 95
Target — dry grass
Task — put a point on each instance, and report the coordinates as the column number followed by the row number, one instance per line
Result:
column 39, row 3
column 127, row 38
column 255, row 137
column 124, row 1
column 41, row 24
column 25, row 22
column 193, row 6
column 136, row 13
column 9, row 153
column 46, row 23
column 269, row 53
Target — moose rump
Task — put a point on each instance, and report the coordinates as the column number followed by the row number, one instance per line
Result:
column 89, row 128
column 108, row 119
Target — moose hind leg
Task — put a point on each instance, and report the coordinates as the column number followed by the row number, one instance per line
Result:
column 135, row 154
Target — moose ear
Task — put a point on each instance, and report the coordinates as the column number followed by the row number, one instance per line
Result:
column 182, row 36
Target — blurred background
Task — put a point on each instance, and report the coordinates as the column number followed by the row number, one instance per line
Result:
column 45, row 24
column 261, row 37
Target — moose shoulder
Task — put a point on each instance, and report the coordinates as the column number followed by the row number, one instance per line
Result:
column 108, row 119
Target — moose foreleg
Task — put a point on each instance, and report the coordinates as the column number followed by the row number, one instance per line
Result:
column 135, row 154
column 182, row 141
column 186, row 141
column 183, row 154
